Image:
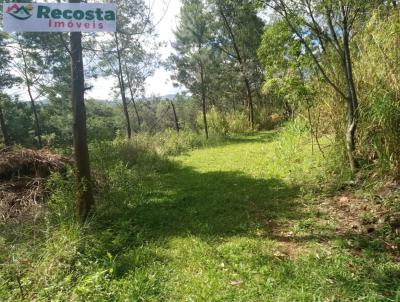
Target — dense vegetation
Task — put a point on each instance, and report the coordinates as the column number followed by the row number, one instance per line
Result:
column 274, row 177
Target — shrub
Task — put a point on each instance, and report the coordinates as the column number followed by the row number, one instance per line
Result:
column 268, row 120
column 217, row 122
column 169, row 142
column 238, row 122
column 378, row 78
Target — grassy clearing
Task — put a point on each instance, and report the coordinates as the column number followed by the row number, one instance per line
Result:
column 233, row 222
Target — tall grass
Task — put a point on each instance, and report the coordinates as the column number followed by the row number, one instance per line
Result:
column 378, row 77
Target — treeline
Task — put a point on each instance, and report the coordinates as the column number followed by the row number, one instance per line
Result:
column 247, row 65
column 39, row 65
column 333, row 63
column 337, row 61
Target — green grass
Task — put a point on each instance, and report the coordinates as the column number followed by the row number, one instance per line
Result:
column 233, row 222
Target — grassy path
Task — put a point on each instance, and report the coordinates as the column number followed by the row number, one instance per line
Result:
column 235, row 222
column 226, row 224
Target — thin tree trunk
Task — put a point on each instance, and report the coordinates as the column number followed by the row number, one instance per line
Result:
column 311, row 127
column 133, row 98
column 85, row 196
column 4, row 131
column 288, row 110
column 136, row 109
column 350, row 96
column 32, row 100
column 250, row 102
column 37, row 125
column 203, row 100
column 352, row 101
column 122, row 89
column 175, row 117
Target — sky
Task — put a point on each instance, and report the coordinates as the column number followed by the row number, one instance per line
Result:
column 165, row 16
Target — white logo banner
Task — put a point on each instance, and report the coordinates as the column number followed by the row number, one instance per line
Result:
column 59, row 17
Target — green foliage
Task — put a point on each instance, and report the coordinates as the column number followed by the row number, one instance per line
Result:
column 18, row 120
column 268, row 119
column 223, row 124
column 285, row 68
column 237, row 122
column 232, row 218
column 379, row 91
column 198, row 226
column 61, row 204
column 7, row 79
column 170, row 142
column 192, row 46
column 216, row 122
column 103, row 121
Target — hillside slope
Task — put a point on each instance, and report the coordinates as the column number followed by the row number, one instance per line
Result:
column 236, row 222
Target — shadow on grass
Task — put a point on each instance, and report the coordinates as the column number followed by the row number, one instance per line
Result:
column 261, row 137
column 171, row 201
column 213, row 204
column 180, row 201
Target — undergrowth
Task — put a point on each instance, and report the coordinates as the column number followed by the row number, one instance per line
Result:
column 201, row 226
column 170, row 142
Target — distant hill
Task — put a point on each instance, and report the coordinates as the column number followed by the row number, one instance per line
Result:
column 172, row 96
column 168, row 96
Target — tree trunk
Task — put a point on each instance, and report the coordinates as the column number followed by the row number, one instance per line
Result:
column 175, row 117
column 85, row 196
column 122, row 89
column 136, row 109
column 4, row 131
column 133, row 98
column 31, row 98
column 203, row 101
column 350, row 96
column 250, row 102
column 351, row 100
column 35, row 115
column 242, row 67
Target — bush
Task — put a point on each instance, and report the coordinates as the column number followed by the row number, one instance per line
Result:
column 169, row 142
column 268, row 120
column 217, row 124
column 238, row 122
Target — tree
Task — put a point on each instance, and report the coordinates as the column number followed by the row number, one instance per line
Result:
column 49, row 57
column 42, row 62
column 331, row 24
column 29, row 70
column 3, row 125
column 121, row 82
column 193, row 51
column 124, row 56
column 6, row 81
column 288, row 69
column 238, row 35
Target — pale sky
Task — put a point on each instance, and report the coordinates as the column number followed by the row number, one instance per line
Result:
column 165, row 17
column 165, row 13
